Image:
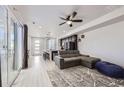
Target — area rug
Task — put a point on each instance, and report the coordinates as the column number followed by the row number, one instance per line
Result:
column 80, row 76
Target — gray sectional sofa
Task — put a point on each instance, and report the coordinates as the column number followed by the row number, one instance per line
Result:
column 72, row 58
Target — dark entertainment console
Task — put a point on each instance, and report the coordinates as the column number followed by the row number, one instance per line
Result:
column 69, row 43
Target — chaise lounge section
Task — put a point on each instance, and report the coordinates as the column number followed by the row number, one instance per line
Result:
column 72, row 58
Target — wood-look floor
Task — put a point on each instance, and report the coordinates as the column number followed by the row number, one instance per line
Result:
column 35, row 75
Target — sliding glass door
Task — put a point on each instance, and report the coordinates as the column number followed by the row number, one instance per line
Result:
column 3, row 45
column 11, row 51
column 11, row 46
column 15, row 49
column 19, row 46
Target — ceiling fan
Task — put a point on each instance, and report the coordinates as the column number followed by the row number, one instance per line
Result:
column 70, row 19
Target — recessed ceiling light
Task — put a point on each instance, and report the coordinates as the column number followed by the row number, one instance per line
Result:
column 64, row 31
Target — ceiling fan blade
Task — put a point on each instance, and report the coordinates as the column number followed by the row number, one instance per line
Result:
column 68, row 17
column 70, row 25
column 78, row 20
column 62, row 18
column 62, row 23
column 74, row 14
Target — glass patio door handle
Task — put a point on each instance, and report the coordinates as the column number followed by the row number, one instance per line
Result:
column 3, row 50
column 4, row 47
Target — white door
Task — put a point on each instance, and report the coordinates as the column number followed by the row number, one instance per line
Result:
column 37, row 46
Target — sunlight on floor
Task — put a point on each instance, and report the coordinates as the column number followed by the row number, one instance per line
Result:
column 35, row 76
column 37, row 61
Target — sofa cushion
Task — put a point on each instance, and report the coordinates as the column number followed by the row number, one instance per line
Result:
column 65, row 56
column 89, row 59
column 62, row 52
column 85, row 55
column 75, row 52
column 71, row 55
column 68, row 52
column 72, row 59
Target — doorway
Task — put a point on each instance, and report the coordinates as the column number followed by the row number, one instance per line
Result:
column 37, row 46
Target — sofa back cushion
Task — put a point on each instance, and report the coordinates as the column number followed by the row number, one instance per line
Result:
column 69, row 53
column 65, row 56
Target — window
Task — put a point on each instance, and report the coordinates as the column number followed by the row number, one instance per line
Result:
column 51, row 44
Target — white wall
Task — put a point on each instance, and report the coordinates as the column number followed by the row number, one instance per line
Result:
column 106, row 43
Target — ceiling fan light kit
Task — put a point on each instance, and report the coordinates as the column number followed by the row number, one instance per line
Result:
column 69, row 19
column 69, row 22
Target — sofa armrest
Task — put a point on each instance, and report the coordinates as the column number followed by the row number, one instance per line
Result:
column 58, row 58
column 59, row 61
column 84, row 55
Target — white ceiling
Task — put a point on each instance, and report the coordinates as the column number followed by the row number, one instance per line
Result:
column 48, row 16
